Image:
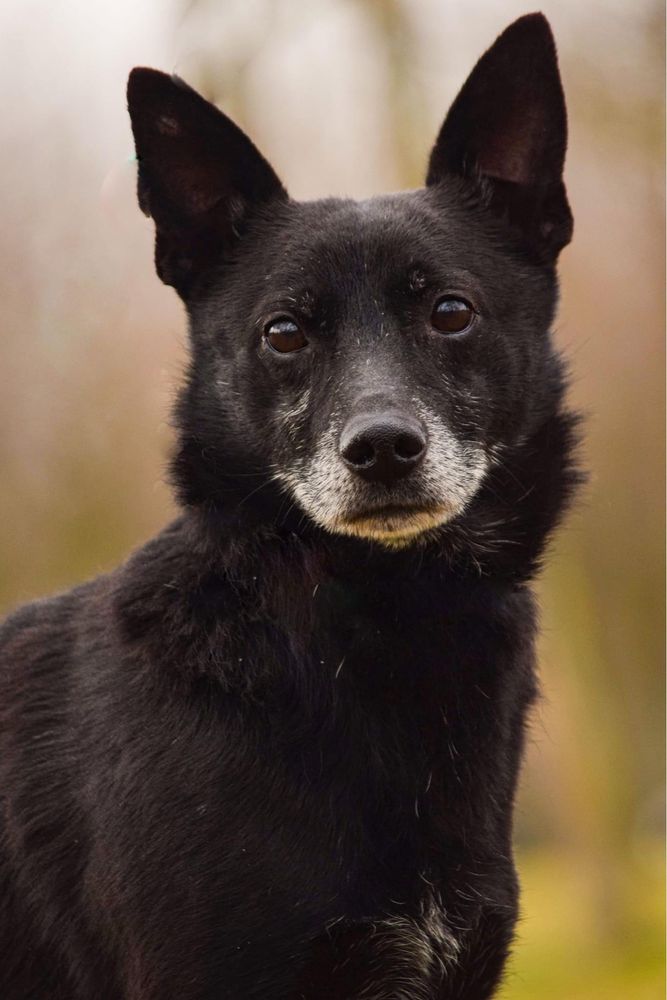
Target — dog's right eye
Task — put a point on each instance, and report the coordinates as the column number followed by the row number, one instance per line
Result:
column 285, row 336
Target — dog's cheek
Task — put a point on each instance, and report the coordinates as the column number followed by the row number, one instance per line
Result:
column 461, row 405
column 315, row 476
column 515, row 381
column 489, row 390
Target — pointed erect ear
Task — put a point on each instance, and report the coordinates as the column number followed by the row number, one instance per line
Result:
column 508, row 127
column 200, row 177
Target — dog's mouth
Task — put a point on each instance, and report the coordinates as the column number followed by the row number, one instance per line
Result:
column 394, row 524
column 410, row 511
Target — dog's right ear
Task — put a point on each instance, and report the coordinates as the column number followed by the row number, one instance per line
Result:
column 200, row 176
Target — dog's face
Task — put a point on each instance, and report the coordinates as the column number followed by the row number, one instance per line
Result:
column 373, row 360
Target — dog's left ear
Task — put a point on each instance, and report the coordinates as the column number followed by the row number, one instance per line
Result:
column 508, row 126
column 200, row 177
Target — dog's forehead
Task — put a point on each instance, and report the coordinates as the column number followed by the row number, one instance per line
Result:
column 335, row 240
column 383, row 229
column 379, row 243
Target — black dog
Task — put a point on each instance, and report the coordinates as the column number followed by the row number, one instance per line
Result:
column 275, row 754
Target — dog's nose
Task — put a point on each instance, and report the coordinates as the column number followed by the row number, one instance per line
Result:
column 384, row 447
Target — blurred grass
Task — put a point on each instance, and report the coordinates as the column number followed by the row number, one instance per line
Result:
column 564, row 952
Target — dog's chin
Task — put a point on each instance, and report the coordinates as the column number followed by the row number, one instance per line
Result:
column 393, row 526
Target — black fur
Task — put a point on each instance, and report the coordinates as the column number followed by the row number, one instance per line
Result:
column 263, row 759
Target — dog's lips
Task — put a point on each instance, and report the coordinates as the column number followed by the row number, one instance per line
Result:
column 395, row 520
column 390, row 511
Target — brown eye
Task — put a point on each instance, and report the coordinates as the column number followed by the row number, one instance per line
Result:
column 452, row 315
column 284, row 335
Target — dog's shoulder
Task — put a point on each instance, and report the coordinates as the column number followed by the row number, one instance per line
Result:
column 41, row 642
column 40, row 633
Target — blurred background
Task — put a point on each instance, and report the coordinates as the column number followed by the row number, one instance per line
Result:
column 345, row 97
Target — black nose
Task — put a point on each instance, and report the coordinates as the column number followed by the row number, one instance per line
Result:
column 382, row 447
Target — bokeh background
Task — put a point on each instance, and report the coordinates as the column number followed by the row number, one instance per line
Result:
column 345, row 97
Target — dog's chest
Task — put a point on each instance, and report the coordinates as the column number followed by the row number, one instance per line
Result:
column 358, row 796
column 333, row 802
column 379, row 734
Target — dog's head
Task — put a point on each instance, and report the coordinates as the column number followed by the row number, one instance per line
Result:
column 363, row 363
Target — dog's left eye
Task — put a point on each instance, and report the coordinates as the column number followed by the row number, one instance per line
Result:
column 452, row 315
column 285, row 336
